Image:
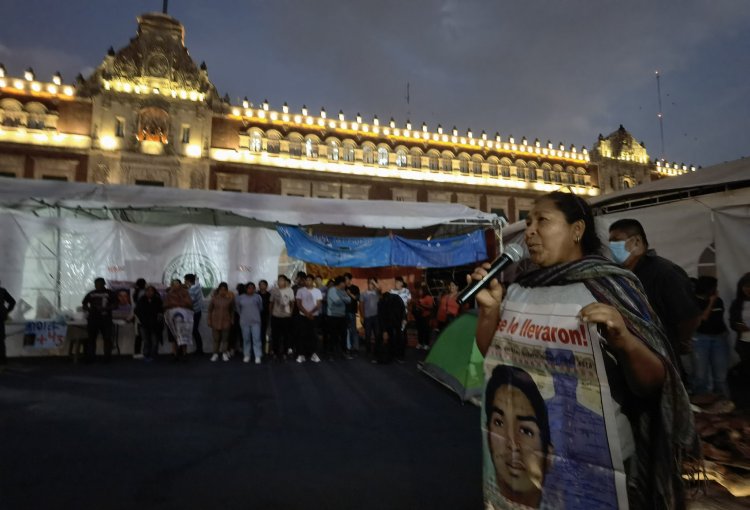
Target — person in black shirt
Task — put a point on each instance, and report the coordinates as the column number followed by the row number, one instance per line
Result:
column 150, row 313
column 667, row 286
column 391, row 314
column 351, row 314
column 6, row 306
column 99, row 304
column 711, row 341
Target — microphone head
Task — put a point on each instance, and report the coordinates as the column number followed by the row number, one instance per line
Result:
column 514, row 252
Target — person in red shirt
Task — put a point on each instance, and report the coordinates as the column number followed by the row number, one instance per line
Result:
column 422, row 314
column 449, row 308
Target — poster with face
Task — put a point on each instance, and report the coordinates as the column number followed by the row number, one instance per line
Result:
column 552, row 436
column 124, row 301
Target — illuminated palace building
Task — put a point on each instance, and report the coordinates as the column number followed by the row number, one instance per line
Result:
column 148, row 115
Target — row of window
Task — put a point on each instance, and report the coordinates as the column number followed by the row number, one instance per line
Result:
column 369, row 154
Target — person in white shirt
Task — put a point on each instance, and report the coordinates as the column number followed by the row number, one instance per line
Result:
column 309, row 303
column 282, row 305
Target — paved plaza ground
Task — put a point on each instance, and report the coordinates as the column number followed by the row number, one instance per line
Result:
column 333, row 435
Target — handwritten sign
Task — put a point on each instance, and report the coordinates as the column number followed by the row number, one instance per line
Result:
column 44, row 334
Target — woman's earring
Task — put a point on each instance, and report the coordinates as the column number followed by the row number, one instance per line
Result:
column 578, row 239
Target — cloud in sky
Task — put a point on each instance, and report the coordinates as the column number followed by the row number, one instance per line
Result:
column 566, row 71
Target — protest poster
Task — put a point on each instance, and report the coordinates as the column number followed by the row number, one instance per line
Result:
column 180, row 323
column 44, row 334
column 549, row 423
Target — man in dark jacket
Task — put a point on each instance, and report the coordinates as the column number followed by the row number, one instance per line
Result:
column 391, row 314
column 99, row 304
column 6, row 306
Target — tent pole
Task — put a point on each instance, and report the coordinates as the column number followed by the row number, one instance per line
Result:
column 58, row 289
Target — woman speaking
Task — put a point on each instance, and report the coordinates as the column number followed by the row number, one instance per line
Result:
column 618, row 433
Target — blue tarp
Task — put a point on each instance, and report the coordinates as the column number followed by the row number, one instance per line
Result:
column 383, row 251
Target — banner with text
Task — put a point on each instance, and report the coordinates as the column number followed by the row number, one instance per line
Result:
column 550, row 432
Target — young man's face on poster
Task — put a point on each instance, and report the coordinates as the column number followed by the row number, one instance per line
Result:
column 516, row 446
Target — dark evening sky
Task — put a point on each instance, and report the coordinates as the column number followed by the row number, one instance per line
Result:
column 559, row 70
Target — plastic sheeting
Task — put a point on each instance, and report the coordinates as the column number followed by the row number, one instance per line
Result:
column 384, row 251
column 52, row 262
column 269, row 209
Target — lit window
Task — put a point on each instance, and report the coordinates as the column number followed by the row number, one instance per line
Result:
column 349, row 153
column 256, row 142
column 120, row 127
column 311, row 148
column 333, row 151
column 382, row 156
column 185, row 134
column 401, row 158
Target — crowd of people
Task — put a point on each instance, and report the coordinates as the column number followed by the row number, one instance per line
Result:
column 304, row 320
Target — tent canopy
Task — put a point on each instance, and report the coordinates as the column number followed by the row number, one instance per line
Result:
column 725, row 176
column 172, row 205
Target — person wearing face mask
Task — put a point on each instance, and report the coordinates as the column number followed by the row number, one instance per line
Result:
column 650, row 426
column 667, row 286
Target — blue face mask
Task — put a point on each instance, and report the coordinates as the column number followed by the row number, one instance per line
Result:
column 619, row 253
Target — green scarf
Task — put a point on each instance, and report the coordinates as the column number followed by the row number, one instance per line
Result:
column 664, row 431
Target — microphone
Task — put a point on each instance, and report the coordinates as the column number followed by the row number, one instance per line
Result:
column 512, row 254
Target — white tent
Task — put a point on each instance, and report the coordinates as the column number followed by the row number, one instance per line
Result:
column 696, row 220
column 144, row 204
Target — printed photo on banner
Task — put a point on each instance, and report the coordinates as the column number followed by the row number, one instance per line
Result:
column 180, row 323
column 550, row 431
column 124, row 305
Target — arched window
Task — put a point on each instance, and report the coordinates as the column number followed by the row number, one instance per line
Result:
column 416, row 159
column 492, row 167
column 256, row 141
column 476, row 165
column 273, row 144
column 368, row 155
column 434, row 161
column 447, row 163
column 311, row 148
column 382, row 156
column 333, row 150
column 505, row 168
column 463, row 164
column 295, row 146
column 532, row 170
column 349, row 152
column 521, row 169
column 401, row 159
column 547, row 172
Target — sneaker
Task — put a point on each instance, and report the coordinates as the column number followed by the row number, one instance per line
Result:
column 215, row 357
column 246, row 359
column 137, row 356
column 257, row 361
column 300, row 359
column 225, row 357
column 314, row 358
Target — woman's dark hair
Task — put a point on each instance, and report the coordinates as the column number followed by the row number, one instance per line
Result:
column 503, row 375
column 744, row 281
column 575, row 208
column 705, row 285
column 140, row 283
column 339, row 280
column 241, row 288
column 223, row 285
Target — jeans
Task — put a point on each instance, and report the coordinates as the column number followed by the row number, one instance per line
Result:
column 352, row 340
column 251, row 332
column 372, row 332
column 150, row 337
column 711, row 358
column 281, row 339
column 95, row 326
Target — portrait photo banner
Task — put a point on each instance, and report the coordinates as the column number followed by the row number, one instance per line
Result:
column 550, row 426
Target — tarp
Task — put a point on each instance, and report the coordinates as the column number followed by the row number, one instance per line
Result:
column 29, row 194
column 384, row 251
column 455, row 360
